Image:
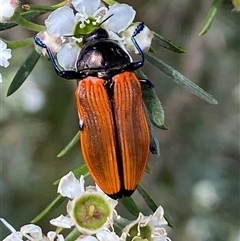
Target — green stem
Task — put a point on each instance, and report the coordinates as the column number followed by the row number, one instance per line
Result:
column 55, row 203
column 211, row 14
column 110, row 2
column 73, row 235
column 19, row 43
column 28, row 7
column 61, row 4
column 29, row 25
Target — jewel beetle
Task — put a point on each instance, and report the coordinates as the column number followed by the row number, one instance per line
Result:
column 114, row 136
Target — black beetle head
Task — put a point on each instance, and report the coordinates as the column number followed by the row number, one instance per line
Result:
column 98, row 33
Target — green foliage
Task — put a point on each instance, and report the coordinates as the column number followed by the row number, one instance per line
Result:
column 23, row 72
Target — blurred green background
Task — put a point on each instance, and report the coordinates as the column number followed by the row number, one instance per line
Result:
column 196, row 178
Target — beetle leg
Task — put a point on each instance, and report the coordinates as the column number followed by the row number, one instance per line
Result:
column 147, row 82
column 67, row 74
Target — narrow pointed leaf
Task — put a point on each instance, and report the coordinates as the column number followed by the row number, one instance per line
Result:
column 23, row 72
column 54, row 204
column 211, row 14
column 152, row 103
column 74, row 140
column 167, row 44
column 148, row 170
column 154, row 143
column 130, row 205
column 154, row 106
column 180, row 79
column 152, row 204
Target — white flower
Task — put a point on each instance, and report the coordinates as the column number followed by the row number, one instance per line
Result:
column 69, row 186
column 7, row 9
column 30, row 232
column 53, row 236
column 62, row 221
column 144, row 38
column 64, row 23
column 53, row 43
column 5, row 55
column 89, row 210
column 107, row 235
column 103, row 235
column 147, row 227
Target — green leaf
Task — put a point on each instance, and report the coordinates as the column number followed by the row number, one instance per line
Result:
column 180, row 79
column 148, row 170
column 23, row 72
column 236, row 4
column 82, row 170
column 153, row 105
column 154, row 143
column 152, row 204
column 74, row 140
column 27, row 15
column 54, row 204
column 211, row 14
column 130, row 205
column 119, row 224
column 160, row 40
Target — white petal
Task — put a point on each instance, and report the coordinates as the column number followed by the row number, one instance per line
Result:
column 86, row 6
column 8, row 225
column 106, row 235
column 0, row 78
column 60, row 22
column 69, row 186
column 32, row 231
column 13, row 237
column 67, row 56
column 88, row 238
column 5, row 54
column 143, row 38
column 54, row 43
column 62, row 221
column 53, row 236
column 123, row 16
column 158, row 217
column 7, row 9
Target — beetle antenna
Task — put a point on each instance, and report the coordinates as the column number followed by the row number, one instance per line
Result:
column 138, row 29
column 75, row 35
column 105, row 20
column 139, row 64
